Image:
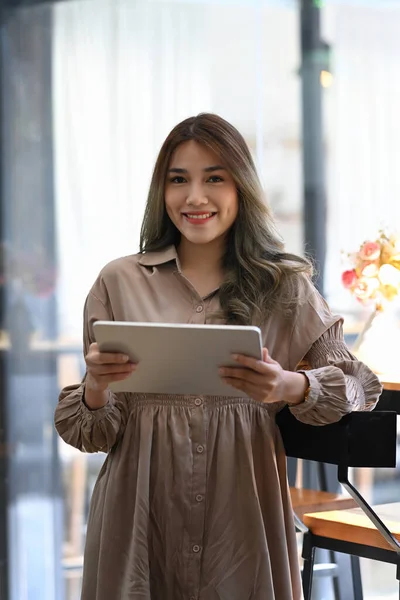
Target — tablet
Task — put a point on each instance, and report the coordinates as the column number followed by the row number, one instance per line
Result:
column 177, row 358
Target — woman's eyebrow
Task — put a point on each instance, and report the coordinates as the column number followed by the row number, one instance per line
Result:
column 177, row 170
column 214, row 168
column 206, row 170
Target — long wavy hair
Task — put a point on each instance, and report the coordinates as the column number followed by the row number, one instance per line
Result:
column 260, row 277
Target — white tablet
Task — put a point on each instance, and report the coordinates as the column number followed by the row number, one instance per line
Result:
column 177, row 358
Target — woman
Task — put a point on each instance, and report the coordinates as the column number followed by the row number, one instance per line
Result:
column 192, row 501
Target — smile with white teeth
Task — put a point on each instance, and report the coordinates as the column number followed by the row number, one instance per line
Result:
column 195, row 216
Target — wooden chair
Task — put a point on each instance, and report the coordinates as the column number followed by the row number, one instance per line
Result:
column 360, row 439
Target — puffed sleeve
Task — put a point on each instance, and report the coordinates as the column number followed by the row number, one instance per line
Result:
column 339, row 383
column 91, row 430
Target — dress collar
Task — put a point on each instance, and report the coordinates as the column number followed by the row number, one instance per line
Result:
column 160, row 257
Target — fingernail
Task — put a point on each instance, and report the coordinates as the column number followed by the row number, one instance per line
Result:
column 221, row 371
column 124, row 358
column 235, row 356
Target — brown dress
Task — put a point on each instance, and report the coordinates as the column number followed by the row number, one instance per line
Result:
column 192, row 501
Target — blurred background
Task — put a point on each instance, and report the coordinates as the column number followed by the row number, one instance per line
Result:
column 88, row 91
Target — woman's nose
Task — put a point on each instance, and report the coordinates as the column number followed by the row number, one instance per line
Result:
column 196, row 196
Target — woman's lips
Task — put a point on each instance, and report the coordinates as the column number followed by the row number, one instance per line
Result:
column 199, row 218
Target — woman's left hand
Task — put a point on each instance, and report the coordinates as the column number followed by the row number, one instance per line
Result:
column 265, row 380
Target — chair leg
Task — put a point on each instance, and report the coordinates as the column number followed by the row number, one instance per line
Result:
column 356, row 575
column 308, row 555
column 335, row 581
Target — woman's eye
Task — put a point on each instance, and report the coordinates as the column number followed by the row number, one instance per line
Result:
column 215, row 179
column 177, row 179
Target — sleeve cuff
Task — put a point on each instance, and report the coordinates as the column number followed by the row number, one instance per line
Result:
column 312, row 398
column 94, row 415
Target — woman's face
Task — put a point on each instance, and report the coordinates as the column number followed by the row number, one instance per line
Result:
column 200, row 194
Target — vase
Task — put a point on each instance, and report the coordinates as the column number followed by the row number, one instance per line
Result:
column 378, row 344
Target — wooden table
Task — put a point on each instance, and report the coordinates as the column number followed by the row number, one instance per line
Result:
column 353, row 525
column 392, row 386
column 310, row 501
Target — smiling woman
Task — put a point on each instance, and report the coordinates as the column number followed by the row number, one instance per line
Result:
column 193, row 501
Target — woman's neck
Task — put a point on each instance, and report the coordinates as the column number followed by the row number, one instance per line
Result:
column 201, row 264
column 200, row 257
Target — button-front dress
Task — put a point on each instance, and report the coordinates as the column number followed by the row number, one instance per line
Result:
column 192, row 501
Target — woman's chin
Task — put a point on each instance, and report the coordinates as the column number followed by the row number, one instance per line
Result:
column 200, row 238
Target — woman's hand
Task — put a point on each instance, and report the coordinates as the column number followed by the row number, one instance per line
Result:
column 265, row 380
column 103, row 368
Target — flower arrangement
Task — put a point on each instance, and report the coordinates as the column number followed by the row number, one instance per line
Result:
column 374, row 276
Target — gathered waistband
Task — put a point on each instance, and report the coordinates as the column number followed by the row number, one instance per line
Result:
column 197, row 401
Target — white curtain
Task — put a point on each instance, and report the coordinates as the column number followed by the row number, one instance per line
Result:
column 363, row 121
column 125, row 72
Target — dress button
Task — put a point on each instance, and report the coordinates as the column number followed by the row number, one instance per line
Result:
column 90, row 417
column 198, row 402
column 200, row 449
column 199, row 498
column 196, row 548
column 199, row 309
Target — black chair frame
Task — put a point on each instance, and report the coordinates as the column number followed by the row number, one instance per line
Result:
column 346, row 444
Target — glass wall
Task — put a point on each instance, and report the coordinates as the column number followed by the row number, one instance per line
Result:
column 89, row 90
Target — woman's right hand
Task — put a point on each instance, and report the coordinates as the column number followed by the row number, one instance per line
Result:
column 103, row 368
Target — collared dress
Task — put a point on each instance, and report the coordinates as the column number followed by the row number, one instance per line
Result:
column 192, row 501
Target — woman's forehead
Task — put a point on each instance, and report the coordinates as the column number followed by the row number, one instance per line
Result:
column 193, row 154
